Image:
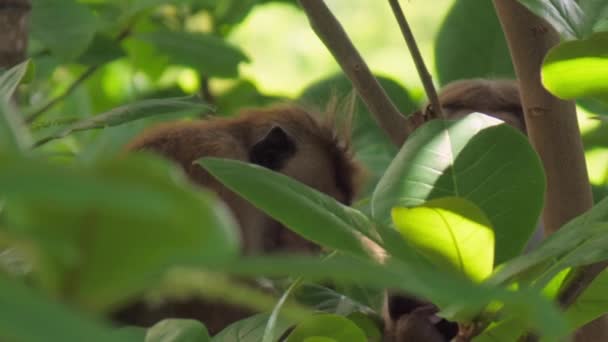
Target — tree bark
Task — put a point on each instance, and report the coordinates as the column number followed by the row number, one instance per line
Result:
column 13, row 31
column 551, row 124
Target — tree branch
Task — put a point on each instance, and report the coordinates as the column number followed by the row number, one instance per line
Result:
column 425, row 76
column 553, row 131
column 331, row 33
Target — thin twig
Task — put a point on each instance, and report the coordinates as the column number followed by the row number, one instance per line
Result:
column 83, row 77
column 332, row 34
column 425, row 76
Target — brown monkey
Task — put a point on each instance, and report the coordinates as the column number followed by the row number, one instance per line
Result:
column 406, row 318
column 287, row 139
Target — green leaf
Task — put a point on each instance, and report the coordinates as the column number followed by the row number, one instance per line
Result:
column 66, row 27
column 371, row 145
column 14, row 136
column 466, row 158
column 369, row 325
column 311, row 214
column 127, row 113
column 578, row 242
column 460, row 34
column 592, row 303
column 596, row 15
column 102, row 50
column 178, row 330
column 209, row 55
column 248, row 330
column 579, row 68
column 328, row 300
column 335, row 327
column 10, row 79
column 564, row 15
column 26, row 315
column 452, row 232
column 143, row 208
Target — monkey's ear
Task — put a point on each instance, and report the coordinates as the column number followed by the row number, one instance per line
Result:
column 273, row 150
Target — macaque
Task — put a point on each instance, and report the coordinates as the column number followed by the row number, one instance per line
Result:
column 407, row 319
column 286, row 139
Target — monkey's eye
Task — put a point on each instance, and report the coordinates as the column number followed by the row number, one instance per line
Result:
column 273, row 150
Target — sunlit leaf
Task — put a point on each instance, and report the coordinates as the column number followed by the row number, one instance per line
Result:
column 338, row 328
column 452, row 232
column 49, row 24
column 311, row 214
column 466, row 158
column 142, row 208
column 579, row 68
column 127, row 113
column 178, row 330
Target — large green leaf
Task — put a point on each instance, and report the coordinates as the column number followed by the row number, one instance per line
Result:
column 209, row 55
column 26, row 315
column 580, row 241
column 452, row 232
column 311, row 214
column 328, row 300
column 370, row 143
column 14, row 136
column 10, row 79
column 81, row 222
column 127, row 113
column 102, row 50
column 579, row 68
column 178, row 330
column 337, row 328
column 467, row 158
column 463, row 50
column 66, row 27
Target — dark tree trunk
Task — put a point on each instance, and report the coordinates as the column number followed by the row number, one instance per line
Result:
column 13, row 31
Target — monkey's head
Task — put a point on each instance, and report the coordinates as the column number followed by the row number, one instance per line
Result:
column 306, row 147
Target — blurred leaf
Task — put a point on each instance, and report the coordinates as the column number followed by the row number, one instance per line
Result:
column 338, row 328
column 578, row 68
column 596, row 15
column 578, row 242
column 592, row 303
column 66, row 27
column 128, row 113
column 243, row 94
column 209, row 55
column 102, row 50
column 369, row 326
column 10, row 79
column 370, row 143
column 507, row 330
column 269, row 331
column 328, row 300
column 178, row 330
column 248, row 330
column 144, row 209
column 14, row 136
column 311, row 214
column 564, row 15
column 452, row 232
column 460, row 34
column 466, row 158
column 27, row 316
column 463, row 298
column 230, row 12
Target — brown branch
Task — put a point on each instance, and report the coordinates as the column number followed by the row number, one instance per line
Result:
column 83, row 77
column 13, row 31
column 553, row 131
column 425, row 76
column 331, row 33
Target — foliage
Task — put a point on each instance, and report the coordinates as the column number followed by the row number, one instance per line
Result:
column 85, row 228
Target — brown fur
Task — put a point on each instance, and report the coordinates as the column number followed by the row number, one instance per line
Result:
column 321, row 160
column 497, row 98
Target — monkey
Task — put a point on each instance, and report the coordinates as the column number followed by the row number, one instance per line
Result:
column 286, row 138
column 410, row 319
